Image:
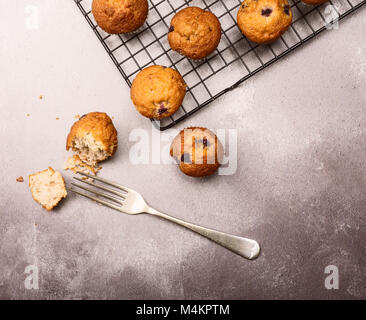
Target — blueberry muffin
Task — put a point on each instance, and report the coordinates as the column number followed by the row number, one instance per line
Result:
column 194, row 33
column 263, row 21
column 157, row 92
column 314, row 2
column 120, row 16
column 93, row 137
column 197, row 151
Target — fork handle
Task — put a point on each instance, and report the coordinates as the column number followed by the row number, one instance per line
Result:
column 244, row 247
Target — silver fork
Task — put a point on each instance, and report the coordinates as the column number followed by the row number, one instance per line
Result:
column 129, row 201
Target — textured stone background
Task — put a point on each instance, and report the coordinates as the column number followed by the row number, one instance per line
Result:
column 300, row 186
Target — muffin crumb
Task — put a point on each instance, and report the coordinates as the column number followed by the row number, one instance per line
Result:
column 75, row 164
column 20, row 179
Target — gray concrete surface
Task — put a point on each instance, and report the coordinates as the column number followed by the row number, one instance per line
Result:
column 299, row 189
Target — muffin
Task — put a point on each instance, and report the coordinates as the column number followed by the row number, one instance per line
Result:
column 157, row 92
column 197, row 151
column 263, row 21
column 93, row 137
column 314, row 2
column 194, row 33
column 47, row 188
column 120, row 16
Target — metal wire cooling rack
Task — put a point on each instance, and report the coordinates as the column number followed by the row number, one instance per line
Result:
column 235, row 56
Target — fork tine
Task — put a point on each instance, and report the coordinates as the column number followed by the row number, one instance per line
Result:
column 106, row 203
column 122, row 195
column 98, row 193
column 113, row 184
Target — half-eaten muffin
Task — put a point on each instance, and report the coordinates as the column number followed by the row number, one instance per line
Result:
column 93, row 137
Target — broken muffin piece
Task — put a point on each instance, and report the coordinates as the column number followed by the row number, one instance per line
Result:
column 47, row 188
column 75, row 164
column 93, row 137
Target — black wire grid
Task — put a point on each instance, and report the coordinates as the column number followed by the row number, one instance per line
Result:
column 235, row 56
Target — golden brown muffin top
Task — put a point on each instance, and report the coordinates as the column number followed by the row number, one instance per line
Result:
column 263, row 21
column 157, row 92
column 120, row 16
column 100, row 126
column 197, row 150
column 194, row 32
